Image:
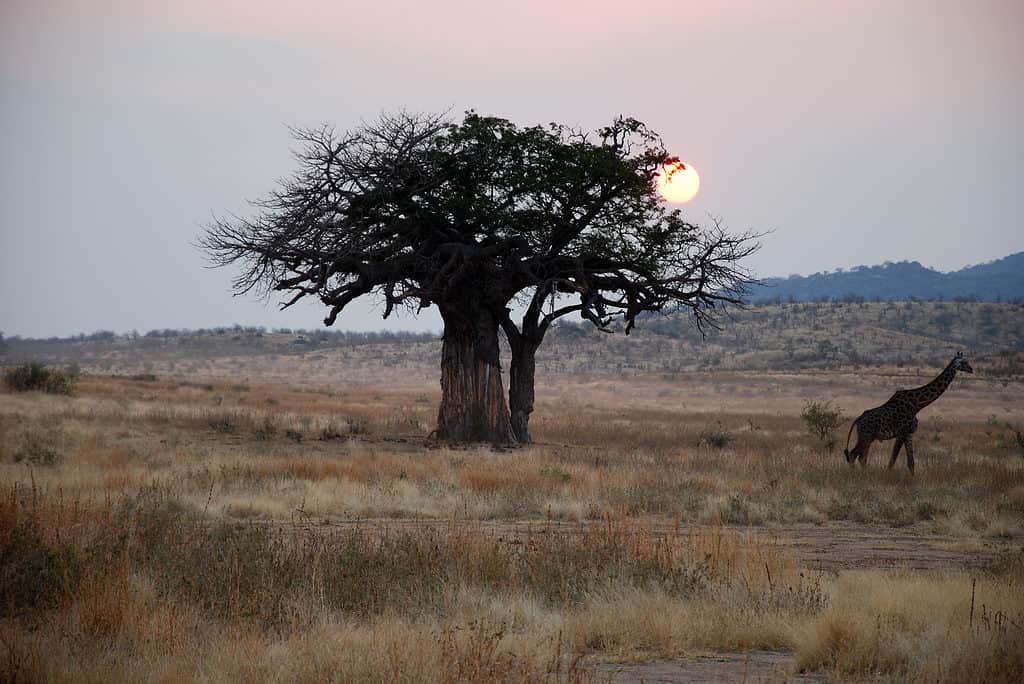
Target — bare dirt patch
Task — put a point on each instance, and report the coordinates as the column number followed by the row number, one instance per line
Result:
column 752, row 666
column 829, row 548
column 852, row 546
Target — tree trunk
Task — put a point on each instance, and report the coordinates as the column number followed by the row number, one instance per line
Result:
column 521, row 384
column 473, row 407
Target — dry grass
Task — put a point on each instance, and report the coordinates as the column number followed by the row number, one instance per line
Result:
column 937, row 629
column 267, row 452
column 136, row 585
column 170, row 530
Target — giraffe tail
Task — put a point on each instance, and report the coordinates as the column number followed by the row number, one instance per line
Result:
column 846, row 451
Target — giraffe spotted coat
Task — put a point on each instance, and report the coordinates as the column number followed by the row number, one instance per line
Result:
column 897, row 418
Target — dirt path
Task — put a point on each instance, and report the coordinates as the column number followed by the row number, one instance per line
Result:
column 847, row 546
column 829, row 548
column 725, row 668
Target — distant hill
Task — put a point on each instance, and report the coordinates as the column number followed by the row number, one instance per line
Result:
column 783, row 336
column 997, row 281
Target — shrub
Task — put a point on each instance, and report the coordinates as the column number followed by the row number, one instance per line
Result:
column 822, row 419
column 718, row 438
column 225, row 423
column 735, row 510
column 143, row 377
column 39, row 449
column 35, row 442
column 33, row 574
column 329, row 431
column 37, row 377
column 266, row 430
column 1018, row 439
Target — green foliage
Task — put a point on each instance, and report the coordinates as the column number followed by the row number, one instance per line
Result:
column 33, row 574
column 822, row 419
column 37, row 377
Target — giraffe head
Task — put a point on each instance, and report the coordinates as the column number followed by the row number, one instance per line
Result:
column 960, row 363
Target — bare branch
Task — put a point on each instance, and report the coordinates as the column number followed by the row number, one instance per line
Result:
column 419, row 210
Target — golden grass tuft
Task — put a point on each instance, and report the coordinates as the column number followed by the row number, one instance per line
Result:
column 946, row 629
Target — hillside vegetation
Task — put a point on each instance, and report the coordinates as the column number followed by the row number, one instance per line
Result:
column 781, row 336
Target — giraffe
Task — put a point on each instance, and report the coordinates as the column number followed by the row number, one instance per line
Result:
column 897, row 418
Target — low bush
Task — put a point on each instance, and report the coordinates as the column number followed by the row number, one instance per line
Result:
column 40, row 448
column 718, row 438
column 266, row 430
column 34, row 574
column 143, row 377
column 37, row 377
column 330, row 431
column 822, row 419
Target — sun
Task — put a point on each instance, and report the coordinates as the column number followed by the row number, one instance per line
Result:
column 678, row 182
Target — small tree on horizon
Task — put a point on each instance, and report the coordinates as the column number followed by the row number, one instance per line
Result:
column 473, row 217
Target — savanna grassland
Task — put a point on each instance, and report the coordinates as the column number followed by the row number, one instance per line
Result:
column 260, row 522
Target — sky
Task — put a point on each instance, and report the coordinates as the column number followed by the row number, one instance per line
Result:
column 856, row 132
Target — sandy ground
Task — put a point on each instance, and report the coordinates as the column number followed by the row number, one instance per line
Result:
column 751, row 667
column 825, row 548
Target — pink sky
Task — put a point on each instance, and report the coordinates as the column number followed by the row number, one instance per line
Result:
column 859, row 132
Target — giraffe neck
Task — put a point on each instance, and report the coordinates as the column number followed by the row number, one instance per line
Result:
column 922, row 396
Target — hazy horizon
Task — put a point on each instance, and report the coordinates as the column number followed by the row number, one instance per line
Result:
column 858, row 133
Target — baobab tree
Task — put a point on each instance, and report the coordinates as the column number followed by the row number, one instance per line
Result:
column 473, row 217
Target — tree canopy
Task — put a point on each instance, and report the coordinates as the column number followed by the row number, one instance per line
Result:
column 473, row 217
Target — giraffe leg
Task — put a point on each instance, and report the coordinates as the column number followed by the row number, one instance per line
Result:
column 854, row 454
column 895, row 452
column 909, row 441
column 863, row 458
